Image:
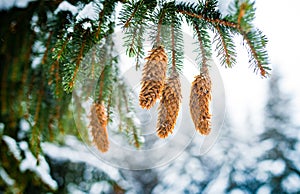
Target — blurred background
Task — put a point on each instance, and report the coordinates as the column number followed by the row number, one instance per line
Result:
column 258, row 149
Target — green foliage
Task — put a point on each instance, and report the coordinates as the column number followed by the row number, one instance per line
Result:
column 46, row 53
column 204, row 42
column 133, row 18
column 255, row 42
column 123, row 110
column 238, row 22
column 225, row 47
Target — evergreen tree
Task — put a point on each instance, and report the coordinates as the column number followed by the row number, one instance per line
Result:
column 278, row 165
column 46, row 51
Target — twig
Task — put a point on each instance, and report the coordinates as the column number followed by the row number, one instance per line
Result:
column 202, row 49
column 132, row 14
column 215, row 21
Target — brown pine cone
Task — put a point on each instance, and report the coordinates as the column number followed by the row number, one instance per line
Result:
column 200, row 101
column 154, row 74
column 169, row 106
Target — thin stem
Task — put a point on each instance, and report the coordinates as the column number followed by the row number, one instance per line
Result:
column 47, row 48
column 5, row 88
column 124, row 97
column 37, row 111
column 101, row 15
column 214, row 21
column 132, row 40
column 159, row 25
column 26, row 67
column 241, row 12
column 93, row 63
column 79, row 58
column 173, row 47
column 101, row 82
column 132, row 14
column 55, row 65
column 254, row 53
column 202, row 49
column 227, row 55
column 109, row 105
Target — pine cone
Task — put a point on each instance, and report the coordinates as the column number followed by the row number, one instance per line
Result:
column 98, row 123
column 199, row 103
column 154, row 74
column 169, row 106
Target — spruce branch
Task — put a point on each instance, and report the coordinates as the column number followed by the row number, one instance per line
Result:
column 101, row 84
column 54, row 67
column 26, row 73
column 47, row 47
column 225, row 46
column 176, row 38
column 134, row 42
column 204, row 45
column 101, row 14
column 93, row 61
column 78, row 60
column 66, row 42
column 213, row 21
column 134, row 24
column 240, row 22
column 104, row 16
column 202, row 50
column 258, row 56
column 133, row 13
column 126, row 115
column 159, row 27
column 35, row 135
column 241, row 12
column 173, row 46
column 61, row 50
column 131, row 50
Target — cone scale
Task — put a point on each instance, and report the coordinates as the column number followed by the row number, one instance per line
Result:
column 98, row 123
column 169, row 106
column 153, row 77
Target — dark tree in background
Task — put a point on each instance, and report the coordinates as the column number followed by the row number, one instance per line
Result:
column 279, row 168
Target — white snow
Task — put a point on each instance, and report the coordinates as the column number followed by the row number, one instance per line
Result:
column 70, row 29
column 264, row 190
column 72, row 188
column 237, row 191
column 38, row 47
column 291, row 183
column 75, row 151
column 24, row 125
column 28, row 163
column 42, row 170
column 7, row 4
column 134, row 118
column 275, row 167
column 102, row 186
column 86, row 25
column 13, row 147
column 89, row 11
column 66, row 6
column 6, row 178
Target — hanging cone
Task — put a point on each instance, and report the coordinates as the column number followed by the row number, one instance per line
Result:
column 169, row 106
column 154, row 74
column 199, row 103
column 98, row 123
